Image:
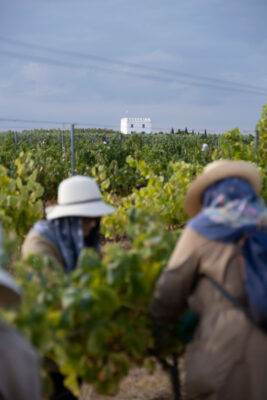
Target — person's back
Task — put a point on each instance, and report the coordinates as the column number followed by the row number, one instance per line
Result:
column 225, row 339
column 227, row 358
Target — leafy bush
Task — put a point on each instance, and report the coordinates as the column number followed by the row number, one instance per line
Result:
column 20, row 204
column 93, row 323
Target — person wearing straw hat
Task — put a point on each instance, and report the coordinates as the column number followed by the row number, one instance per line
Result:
column 71, row 225
column 19, row 363
column 219, row 270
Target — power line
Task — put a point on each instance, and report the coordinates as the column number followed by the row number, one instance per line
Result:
column 129, row 64
column 186, row 79
column 49, row 122
column 156, row 129
column 127, row 73
column 34, row 121
column 95, row 68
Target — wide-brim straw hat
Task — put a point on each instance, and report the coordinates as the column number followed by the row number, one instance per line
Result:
column 10, row 293
column 217, row 171
column 79, row 196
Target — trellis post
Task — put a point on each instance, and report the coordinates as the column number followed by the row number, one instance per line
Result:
column 72, row 150
column 16, row 138
column 256, row 142
column 63, row 142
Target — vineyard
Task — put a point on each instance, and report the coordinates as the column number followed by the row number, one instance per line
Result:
column 93, row 322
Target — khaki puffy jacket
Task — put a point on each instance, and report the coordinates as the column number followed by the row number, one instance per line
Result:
column 227, row 360
column 35, row 243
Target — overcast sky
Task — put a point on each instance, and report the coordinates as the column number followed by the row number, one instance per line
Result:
column 195, row 63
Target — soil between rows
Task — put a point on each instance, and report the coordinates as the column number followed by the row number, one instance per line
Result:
column 140, row 384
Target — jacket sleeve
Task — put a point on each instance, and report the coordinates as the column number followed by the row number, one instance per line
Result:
column 177, row 280
column 35, row 243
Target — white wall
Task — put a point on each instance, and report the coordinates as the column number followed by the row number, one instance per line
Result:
column 138, row 125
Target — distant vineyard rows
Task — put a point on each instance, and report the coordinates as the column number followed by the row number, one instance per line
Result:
column 93, row 322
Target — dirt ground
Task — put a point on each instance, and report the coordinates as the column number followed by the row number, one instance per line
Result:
column 138, row 385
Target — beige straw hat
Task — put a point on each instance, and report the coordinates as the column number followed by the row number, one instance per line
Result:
column 79, row 196
column 214, row 172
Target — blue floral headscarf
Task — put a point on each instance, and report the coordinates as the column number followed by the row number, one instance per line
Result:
column 232, row 210
column 66, row 234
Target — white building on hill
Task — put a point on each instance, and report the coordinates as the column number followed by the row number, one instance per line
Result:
column 137, row 125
